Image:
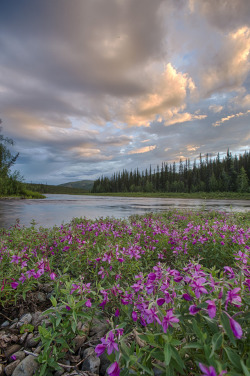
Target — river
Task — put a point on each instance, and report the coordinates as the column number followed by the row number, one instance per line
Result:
column 58, row 209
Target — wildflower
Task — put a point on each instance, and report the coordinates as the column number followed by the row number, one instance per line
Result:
column 160, row 301
column 99, row 349
column 209, row 371
column 168, row 320
column 193, row 310
column 211, row 308
column 114, row 369
column 236, row 328
column 68, row 307
column 88, row 303
column 247, row 283
column 14, row 285
column 233, row 297
column 52, row 276
column 134, row 316
column 198, row 287
column 187, row 297
column 111, row 344
column 13, row 357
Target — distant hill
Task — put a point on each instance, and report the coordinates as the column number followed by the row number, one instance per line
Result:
column 81, row 184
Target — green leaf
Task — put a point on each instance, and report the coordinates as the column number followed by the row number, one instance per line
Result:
column 167, row 353
column 226, row 325
column 234, row 358
column 43, row 369
column 193, row 345
column 216, row 343
column 53, row 301
column 146, row 369
column 177, row 357
column 244, row 368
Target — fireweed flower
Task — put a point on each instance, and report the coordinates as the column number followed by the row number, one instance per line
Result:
column 14, row 285
column 233, row 297
column 168, row 320
column 197, row 287
column 236, row 328
column 134, row 316
column 111, row 344
column 114, row 369
column 187, row 297
column 210, row 371
column 211, row 308
column 193, row 310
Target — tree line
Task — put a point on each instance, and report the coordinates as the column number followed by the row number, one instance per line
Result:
column 227, row 174
column 10, row 182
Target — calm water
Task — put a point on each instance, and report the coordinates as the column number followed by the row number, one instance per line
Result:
column 58, row 209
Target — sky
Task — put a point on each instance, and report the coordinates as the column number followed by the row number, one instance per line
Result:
column 92, row 87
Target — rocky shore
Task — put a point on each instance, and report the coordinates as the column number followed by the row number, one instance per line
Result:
column 18, row 351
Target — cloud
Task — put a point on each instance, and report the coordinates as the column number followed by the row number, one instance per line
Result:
column 223, row 14
column 229, row 64
column 215, row 108
column 229, row 117
column 145, row 149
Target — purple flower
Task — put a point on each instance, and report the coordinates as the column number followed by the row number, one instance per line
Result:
column 134, row 316
column 193, row 310
column 13, row 357
column 111, row 344
column 198, row 288
column 117, row 313
column 207, row 371
column 247, row 283
column 233, row 297
column 68, row 308
column 52, row 276
column 211, row 308
column 99, row 350
column 88, row 303
column 187, row 297
column 168, row 320
column 236, row 328
column 14, row 285
column 160, row 301
column 114, row 369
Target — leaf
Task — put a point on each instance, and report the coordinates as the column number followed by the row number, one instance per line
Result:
column 234, row 358
column 146, row 369
column 244, row 368
column 177, row 357
column 53, row 301
column 167, row 353
column 227, row 328
column 216, row 343
column 193, row 345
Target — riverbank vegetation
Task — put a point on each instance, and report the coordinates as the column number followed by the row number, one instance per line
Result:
column 230, row 174
column 11, row 184
column 174, row 289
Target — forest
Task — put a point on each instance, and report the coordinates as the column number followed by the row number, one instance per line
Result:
column 227, row 174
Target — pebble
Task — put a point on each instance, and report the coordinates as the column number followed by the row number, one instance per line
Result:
column 1, row 370
column 23, row 337
column 11, row 350
column 24, row 320
column 10, row 367
column 27, row 367
column 5, row 323
column 92, row 362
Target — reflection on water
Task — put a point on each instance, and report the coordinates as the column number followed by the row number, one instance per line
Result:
column 58, row 209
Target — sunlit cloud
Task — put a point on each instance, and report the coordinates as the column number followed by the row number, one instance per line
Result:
column 145, row 149
column 229, row 117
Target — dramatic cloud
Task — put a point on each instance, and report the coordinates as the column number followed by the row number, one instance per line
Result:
column 92, row 87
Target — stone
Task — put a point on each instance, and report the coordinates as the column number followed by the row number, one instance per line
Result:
column 5, row 323
column 37, row 318
column 98, row 327
column 24, row 320
column 23, row 337
column 41, row 296
column 26, row 367
column 1, row 370
column 10, row 367
column 11, row 350
column 78, row 341
column 32, row 341
column 105, row 363
column 20, row 355
column 92, row 361
column 59, row 372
